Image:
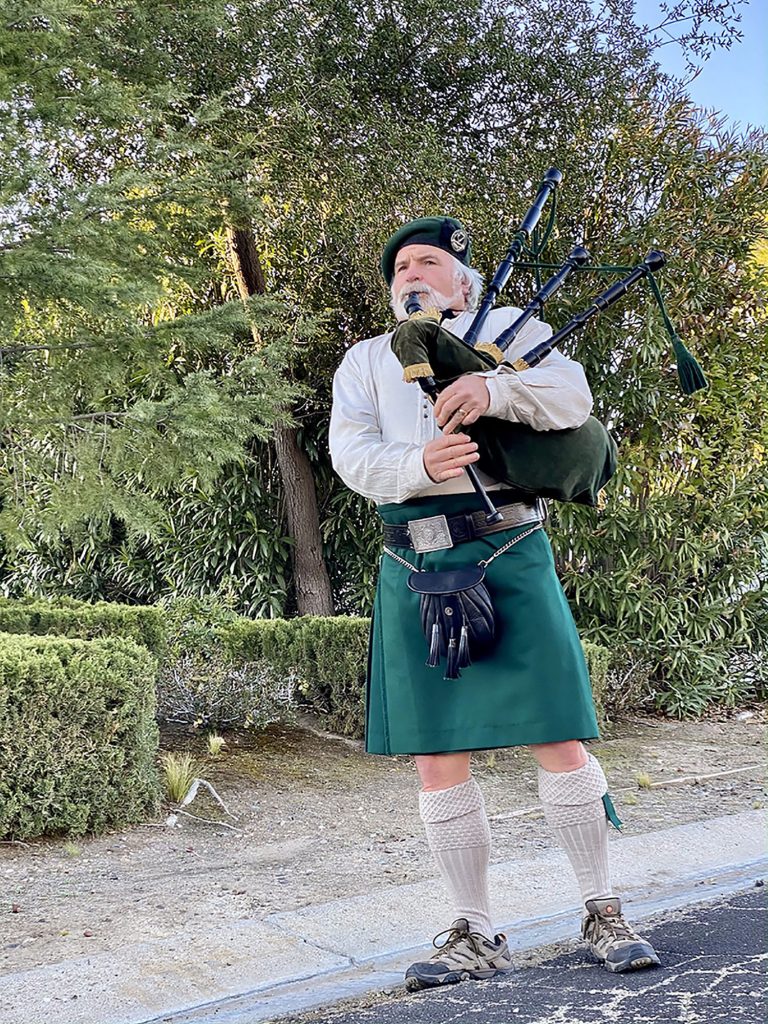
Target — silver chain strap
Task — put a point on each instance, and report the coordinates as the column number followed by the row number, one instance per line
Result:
column 484, row 563
column 402, row 561
column 510, row 544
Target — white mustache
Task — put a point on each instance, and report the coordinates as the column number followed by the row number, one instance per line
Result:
column 421, row 289
column 433, row 298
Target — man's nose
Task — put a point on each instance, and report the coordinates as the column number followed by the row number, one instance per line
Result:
column 413, row 274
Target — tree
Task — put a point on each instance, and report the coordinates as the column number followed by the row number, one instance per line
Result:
column 316, row 128
column 236, row 117
column 123, row 372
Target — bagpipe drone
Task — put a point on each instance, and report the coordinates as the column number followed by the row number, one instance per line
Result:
column 566, row 465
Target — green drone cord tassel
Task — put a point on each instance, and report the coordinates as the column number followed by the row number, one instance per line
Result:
column 689, row 372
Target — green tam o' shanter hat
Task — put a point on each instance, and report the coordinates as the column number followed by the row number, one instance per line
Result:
column 445, row 233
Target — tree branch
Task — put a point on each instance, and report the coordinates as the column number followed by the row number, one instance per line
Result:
column 47, row 348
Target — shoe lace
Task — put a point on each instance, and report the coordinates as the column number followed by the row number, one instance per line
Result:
column 456, row 937
column 619, row 927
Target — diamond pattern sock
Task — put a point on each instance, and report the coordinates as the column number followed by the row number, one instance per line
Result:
column 573, row 806
column 460, row 840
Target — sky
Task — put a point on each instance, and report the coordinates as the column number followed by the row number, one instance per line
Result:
column 733, row 81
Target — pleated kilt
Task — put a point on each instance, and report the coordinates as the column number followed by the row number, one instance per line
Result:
column 532, row 688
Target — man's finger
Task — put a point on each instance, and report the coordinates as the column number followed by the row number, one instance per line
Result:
column 457, row 451
column 450, row 440
column 444, row 397
column 451, row 407
column 460, row 460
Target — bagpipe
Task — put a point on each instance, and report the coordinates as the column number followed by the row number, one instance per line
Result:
column 566, row 465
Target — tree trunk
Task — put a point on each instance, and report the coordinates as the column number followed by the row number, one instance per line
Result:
column 313, row 587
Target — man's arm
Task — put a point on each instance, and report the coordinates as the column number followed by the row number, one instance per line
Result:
column 554, row 395
column 551, row 396
column 386, row 471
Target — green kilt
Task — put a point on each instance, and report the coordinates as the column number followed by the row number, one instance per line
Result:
column 532, row 688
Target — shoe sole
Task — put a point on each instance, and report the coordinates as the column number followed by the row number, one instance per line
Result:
column 636, row 964
column 413, row 983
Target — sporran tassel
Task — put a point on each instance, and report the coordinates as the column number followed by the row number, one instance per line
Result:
column 452, row 664
column 434, row 647
column 464, row 659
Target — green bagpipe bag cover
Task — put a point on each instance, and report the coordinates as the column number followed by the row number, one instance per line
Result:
column 566, row 465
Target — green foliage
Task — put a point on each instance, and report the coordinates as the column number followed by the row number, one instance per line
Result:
column 65, row 616
column 215, row 744
column 674, row 568
column 329, row 658
column 139, row 464
column 125, row 370
column 226, row 540
column 77, row 735
column 200, row 684
column 179, row 771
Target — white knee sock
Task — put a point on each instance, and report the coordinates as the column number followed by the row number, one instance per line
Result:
column 573, row 806
column 460, row 840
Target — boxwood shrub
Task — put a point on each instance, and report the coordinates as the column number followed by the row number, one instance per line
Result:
column 78, row 738
column 65, row 616
column 328, row 657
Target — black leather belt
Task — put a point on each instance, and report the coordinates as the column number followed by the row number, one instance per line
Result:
column 437, row 532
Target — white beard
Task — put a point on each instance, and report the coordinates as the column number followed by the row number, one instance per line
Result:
column 428, row 297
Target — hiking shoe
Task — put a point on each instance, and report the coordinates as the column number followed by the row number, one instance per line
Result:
column 612, row 941
column 461, row 956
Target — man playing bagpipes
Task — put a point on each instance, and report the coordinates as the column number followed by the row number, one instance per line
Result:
column 473, row 645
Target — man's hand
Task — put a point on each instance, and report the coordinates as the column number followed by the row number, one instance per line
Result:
column 462, row 402
column 446, row 456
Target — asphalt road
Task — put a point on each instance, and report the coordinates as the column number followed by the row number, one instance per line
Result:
column 714, row 966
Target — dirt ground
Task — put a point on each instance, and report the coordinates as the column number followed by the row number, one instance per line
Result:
column 317, row 820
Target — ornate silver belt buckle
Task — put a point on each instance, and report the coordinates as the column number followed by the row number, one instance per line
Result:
column 430, row 534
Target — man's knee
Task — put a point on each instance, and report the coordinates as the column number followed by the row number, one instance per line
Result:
column 442, row 771
column 567, row 756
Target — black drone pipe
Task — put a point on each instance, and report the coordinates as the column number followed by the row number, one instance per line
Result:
column 549, row 183
column 653, row 261
column 577, row 257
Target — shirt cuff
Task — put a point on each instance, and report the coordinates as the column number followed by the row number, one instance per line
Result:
column 500, row 405
column 413, row 476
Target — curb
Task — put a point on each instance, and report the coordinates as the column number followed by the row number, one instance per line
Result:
column 384, row 973
column 244, row 972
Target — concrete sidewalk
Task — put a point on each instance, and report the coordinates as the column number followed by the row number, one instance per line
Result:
column 256, row 970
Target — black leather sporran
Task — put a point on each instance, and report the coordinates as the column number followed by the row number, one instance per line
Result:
column 457, row 615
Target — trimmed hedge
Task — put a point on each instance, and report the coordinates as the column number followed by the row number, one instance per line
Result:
column 599, row 664
column 65, row 616
column 325, row 657
column 329, row 658
column 78, row 737
column 202, row 685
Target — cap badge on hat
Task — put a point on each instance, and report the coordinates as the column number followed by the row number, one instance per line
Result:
column 459, row 240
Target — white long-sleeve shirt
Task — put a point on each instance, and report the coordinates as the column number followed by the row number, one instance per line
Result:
column 380, row 424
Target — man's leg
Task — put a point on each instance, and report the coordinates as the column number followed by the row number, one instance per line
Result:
column 571, row 789
column 453, row 811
